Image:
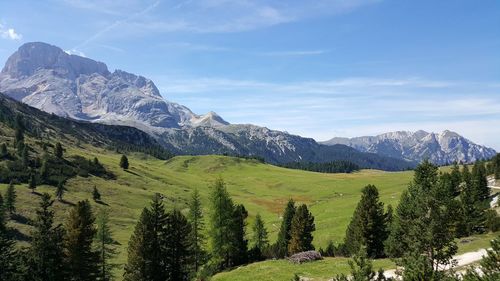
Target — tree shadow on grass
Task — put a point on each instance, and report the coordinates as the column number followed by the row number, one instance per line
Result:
column 66, row 202
column 133, row 173
column 17, row 235
column 101, row 202
column 20, row 219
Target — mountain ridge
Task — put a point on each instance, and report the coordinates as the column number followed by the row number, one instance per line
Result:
column 440, row 148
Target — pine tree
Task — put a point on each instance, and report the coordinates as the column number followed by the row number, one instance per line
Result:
column 8, row 257
column 32, row 184
column 221, row 225
column 58, row 150
column 82, row 261
column 260, row 240
column 480, row 181
column 456, row 178
column 361, row 270
column 96, row 195
column 301, row 231
column 422, row 232
column 239, row 252
column 60, row 191
column 138, row 267
column 3, row 219
column 25, row 157
column 46, row 251
column 368, row 225
column 496, row 166
column 197, row 225
column 3, row 151
column 105, row 246
column 157, row 254
column 10, row 199
column 285, row 230
column 124, row 162
column 489, row 265
column 177, row 247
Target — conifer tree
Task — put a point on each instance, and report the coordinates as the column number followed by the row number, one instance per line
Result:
column 195, row 217
column 58, row 150
column 221, row 225
column 10, row 198
column 32, row 184
column 8, row 256
column 105, row 246
column 178, row 248
column 489, row 265
column 480, row 181
column 368, row 225
column 124, row 162
column 139, row 259
column 82, row 261
column 46, row 251
column 157, row 254
column 284, row 234
column 456, row 178
column 3, row 151
column 60, row 191
column 301, row 231
column 260, row 240
column 3, row 219
column 239, row 243
column 25, row 157
column 96, row 195
column 422, row 232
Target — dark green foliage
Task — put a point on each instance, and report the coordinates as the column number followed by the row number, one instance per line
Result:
column 259, row 239
column 361, row 270
column 285, row 230
column 340, row 166
column 422, row 232
column 480, row 182
column 46, row 251
column 32, row 184
column 4, row 153
column 124, row 162
column 82, row 261
column 492, row 220
column 60, row 191
column 329, row 251
column 10, row 199
column 177, row 247
column 96, row 195
column 58, row 150
column 9, row 267
column 238, row 241
column 496, row 166
column 105, row 246
column 139, row 260
column 197, row 225
column 456, row 178
column 301, row 232
column 368, row 225
column 473, row 216
column 295, row 277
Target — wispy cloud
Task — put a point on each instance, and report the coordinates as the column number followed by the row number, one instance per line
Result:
column 9, row 33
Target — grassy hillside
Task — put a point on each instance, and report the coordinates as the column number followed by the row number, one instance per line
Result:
column 260, row 187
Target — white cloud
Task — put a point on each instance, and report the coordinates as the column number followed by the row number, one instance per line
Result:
column 75, row 52
column 9, row 33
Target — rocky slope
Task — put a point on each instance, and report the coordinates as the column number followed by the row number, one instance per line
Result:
column 45, row 77
column 439, row 148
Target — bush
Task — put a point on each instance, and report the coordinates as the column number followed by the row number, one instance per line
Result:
column 492, row 220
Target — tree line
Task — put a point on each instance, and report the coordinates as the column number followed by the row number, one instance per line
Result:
column 340, row 166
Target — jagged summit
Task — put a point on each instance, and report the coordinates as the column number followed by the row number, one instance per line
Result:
column 440, row 148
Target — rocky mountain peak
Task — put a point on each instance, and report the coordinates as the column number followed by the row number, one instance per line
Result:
column 35, row 56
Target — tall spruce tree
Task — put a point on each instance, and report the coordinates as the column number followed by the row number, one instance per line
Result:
column 480, row 181
column 139, row 259
column 8, row 256
column 301, row 231
column 58, row 150
column 10, row 199
column 368, row 225
column 260, row 240
column 177, row 247
column 197, row 238
column 32, row 184
column 238, row 240
column 284, row 234
column 124, row 162
column 422, row 232
column 456, row 178
column 157, row 251
column 60, row 191
column 46, row 251
column 3, row 151
column 82, row 261
column 105, row 245
column 221, row 225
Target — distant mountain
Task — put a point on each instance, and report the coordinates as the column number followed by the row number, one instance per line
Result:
column 442, row 148
column 45, row 77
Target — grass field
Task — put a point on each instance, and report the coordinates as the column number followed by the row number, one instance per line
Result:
column 260, row 187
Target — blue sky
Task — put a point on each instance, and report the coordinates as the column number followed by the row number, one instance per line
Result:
column 315, row 68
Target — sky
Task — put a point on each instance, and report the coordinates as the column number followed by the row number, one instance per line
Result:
column 318, row 69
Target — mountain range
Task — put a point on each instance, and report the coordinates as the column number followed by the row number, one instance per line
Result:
column 440, row 148
column 45, row 77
